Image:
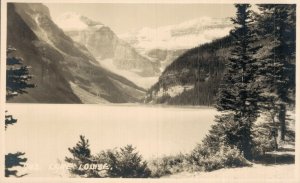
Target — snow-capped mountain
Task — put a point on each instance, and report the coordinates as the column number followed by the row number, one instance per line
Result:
column 64, row 71
column 141, row 55
column 165, row 44
column 111, row 52
column 185, row 35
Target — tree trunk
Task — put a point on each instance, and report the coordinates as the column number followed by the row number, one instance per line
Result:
column 274, row 132
column 282, row 118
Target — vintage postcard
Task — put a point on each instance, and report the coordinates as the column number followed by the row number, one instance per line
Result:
column 149, row 91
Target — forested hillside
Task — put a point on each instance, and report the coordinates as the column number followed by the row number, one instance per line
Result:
column 193, row 78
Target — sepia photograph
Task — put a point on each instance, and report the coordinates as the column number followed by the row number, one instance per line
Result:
column 195, row 91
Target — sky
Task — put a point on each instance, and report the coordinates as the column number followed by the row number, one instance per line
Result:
column 123, row 18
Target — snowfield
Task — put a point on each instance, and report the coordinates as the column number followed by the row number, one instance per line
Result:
column 185, row 35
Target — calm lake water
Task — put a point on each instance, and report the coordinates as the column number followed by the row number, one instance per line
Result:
column 45, row 132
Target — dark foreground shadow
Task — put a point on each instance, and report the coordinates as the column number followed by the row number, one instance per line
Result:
column 277, row 158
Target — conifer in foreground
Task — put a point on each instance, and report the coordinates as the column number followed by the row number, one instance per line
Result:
column 239, row 93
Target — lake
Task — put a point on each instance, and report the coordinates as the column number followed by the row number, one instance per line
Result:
column 44, row 132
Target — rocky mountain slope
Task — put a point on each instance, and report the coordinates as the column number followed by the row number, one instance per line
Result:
column 105, row 45
column 64, row 71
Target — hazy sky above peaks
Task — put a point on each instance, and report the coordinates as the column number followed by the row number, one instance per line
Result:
column 122, row 18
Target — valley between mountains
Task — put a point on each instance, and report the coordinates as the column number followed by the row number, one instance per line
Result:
column 79, row 60
column 231, row 81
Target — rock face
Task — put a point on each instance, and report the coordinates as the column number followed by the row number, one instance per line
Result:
column 64, row 71
column 103, row 43
column 99, row 46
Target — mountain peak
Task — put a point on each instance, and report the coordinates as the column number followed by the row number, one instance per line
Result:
column 71, row 21
column 184, row 35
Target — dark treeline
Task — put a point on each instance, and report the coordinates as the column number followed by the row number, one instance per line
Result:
column 258, row 81
column 202, row 67
column 254, row 77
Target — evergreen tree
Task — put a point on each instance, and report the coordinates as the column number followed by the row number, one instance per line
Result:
column 17, row 79
column 239, row 93
column 17, row 75
column 126, row 163
column 9, row 120
column 13, row 160
column 111, row 159
column 277, row 24
column 131, row 164
column 81, row 155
